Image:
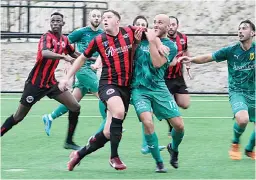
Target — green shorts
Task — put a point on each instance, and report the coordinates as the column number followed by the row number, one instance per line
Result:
column 243, row 101
column 160, row 101
column 86, row 80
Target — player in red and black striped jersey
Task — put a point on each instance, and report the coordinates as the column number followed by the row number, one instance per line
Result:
column 41, row 80
column 174, row 75
column 115, row 47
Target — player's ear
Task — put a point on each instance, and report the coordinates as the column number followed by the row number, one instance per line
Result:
column 252, row 33
column 63, row 23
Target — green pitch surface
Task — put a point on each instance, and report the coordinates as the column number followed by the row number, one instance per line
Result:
column 28, row 153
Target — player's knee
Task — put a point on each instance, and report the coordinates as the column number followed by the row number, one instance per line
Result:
column 183, row 104
column 76, row 107
column 242, row 120
column 119, row 115
column 149, row 127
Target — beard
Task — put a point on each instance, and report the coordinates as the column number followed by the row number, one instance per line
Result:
column 95, row 25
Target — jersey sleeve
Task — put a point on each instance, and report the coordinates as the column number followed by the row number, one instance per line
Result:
column 221, row 55
column 75, row 36
column 92, row 48
column 45, row 42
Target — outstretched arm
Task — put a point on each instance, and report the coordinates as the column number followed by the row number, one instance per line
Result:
column 197, row 59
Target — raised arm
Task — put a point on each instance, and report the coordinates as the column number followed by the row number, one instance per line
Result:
column 197, row 59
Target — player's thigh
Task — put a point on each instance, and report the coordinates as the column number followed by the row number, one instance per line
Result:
column 164, row 105
column 67, row 99
column 111, row 96
column 182, row 100
column 31, row 94
column 80, row 86
column 141, row 102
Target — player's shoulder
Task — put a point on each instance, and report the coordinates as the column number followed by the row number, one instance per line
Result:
column 232, row 46
column 181, row 35
column 168, row 42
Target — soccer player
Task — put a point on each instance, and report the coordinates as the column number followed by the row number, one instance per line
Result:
column 41, row 80
column 86, row 79
column 149, row 91
column 141, row 21
column 174, row 74
column 115, row 47
column 241, row 79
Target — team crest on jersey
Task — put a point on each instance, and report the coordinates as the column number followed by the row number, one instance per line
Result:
column 182, row 41
column 252, row 56
column 30, row 99
column 110, row 91
column 63, row 44
column 105, row 43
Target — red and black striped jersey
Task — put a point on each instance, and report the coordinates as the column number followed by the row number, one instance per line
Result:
column 117, row 56
column 43, row 73
column 182, row 44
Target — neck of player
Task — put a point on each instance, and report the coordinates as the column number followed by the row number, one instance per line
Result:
column 113, row 32
column 246, row 44
column 93, row 28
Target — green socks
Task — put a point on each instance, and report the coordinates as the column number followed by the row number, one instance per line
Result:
column 152, row 142
column 59, row 111
column 251, row 143
column 176, row 139
column 238, row 131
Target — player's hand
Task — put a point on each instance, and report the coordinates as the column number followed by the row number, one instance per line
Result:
column 69, row 59
column 164, row 50
column 138, row 33
column 187, row 66
column 63, row 85
column 94, row 67
column 185, row 59
column 151, row 35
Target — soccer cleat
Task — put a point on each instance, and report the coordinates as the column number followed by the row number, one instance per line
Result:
column 71, row 145
column 234, row 152
column 160, row 168
column 117, row 163
column 250, row 154
column 74, row 160
column 47, row 124
column 174, row 156
column 145, row 150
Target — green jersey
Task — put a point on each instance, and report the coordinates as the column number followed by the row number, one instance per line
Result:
column 241, row 67
column 145, row 74
column 82, row 37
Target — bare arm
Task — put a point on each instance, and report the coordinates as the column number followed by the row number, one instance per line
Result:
column 76, row 66
column 51, row 55
column 202, row 59
column 158, row 60
column 198, row 59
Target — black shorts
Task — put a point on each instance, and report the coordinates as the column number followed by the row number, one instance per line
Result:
column 32, row 93
column 107, row 91
column 176, row 85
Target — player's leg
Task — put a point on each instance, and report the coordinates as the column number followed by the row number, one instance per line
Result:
column 240, row 110
column 96, row 142
column 78, row 93
column 14, row 119
column 249, row 149
column 71, row 103
column 165, row 107
column 31, row 94
column 142, row 105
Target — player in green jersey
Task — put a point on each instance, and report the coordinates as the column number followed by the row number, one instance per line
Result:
column 141, row 21
column 85, row 79
column 241, row 79
column 149, row 91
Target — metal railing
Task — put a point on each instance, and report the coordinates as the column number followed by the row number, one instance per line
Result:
column 23, row 13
